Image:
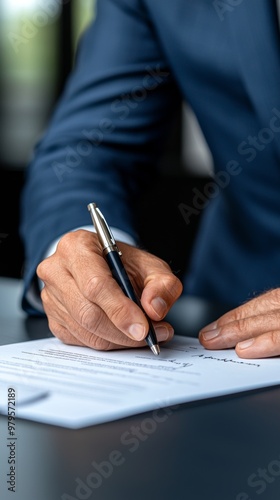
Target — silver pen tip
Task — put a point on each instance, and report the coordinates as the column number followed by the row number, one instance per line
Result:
column 155, row 349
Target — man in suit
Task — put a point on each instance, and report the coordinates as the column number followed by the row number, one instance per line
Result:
column 135, row 63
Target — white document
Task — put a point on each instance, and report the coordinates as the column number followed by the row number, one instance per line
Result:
column 76, row 386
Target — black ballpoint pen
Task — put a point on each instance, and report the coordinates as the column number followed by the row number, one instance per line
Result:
column 112, row 254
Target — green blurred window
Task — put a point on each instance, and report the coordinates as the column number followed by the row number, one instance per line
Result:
column 30, row 72
column 83, row 13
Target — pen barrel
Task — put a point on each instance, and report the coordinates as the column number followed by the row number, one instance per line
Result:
column 120, row 275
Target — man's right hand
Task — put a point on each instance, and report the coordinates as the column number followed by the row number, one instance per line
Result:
column 84, row 304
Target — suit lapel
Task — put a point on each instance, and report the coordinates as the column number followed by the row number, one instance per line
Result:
column 255, row 28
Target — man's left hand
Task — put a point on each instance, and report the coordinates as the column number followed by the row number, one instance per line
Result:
column 253, row 328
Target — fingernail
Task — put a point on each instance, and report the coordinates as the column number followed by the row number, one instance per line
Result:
column 163, row 333
column 159, row 306
column 211, row 334
column 245, row 344
column 137, row 331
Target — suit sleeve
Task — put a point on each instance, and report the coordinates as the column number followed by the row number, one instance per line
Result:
column 104, row 139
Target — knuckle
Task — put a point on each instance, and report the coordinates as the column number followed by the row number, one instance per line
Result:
column 67, row 240
column 68, row 243
column 90, row 317
column 275, row 338
column 72, row 239
column 241, row 326
column 94, row 341
column 173, row 285
column 46, row 300
column 58, row 330
column 42, row 270
column 94, row 287
column 177, row 286
column 119, row 314
column 232, row 317
column 163, row 264
column 45, row 295
column 99, row 344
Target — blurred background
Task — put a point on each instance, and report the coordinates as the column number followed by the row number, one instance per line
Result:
column 38, row 45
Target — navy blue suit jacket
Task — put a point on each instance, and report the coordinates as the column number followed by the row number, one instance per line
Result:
column 135, row 63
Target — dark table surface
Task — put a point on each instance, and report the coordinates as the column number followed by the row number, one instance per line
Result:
column 226, row 448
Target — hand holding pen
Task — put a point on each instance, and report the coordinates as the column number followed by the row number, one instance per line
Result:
column 86, row 306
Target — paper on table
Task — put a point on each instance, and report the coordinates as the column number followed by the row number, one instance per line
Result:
column 25, row 396
column 81, row 387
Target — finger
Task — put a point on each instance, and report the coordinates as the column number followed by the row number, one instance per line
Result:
column 78, row 253
column 89, row 339
column 92, row 285
column 63, row 334
column 85, row 321
column 229, row 334
column 263, row 346
column 160, row 287
column 163, row 333
column 96, row 283
column 100, row 337
column 159, row 295
column 67, row 338
column 263, row 304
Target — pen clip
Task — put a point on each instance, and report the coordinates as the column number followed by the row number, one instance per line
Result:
column 104, row 232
